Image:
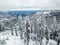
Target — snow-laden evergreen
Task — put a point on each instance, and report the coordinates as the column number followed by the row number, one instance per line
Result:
column 36, row 29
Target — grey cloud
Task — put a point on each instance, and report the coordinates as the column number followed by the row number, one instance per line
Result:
column 40, row 4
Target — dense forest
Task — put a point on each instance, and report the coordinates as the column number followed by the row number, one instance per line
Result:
column 40, row 28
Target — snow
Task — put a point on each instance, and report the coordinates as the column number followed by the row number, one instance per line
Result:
column 11, row 39
column 33, row 42
column 50, row 42
column 44, row 41
column 15, row 40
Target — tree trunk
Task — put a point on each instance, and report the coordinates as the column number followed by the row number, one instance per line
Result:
column 12, row 30
column 16, row 33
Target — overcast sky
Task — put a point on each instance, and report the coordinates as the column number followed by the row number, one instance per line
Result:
column 29, row 4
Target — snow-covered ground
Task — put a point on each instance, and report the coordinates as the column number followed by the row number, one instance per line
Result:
column 10, row 39
column 7, row 39
column 50, row 42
